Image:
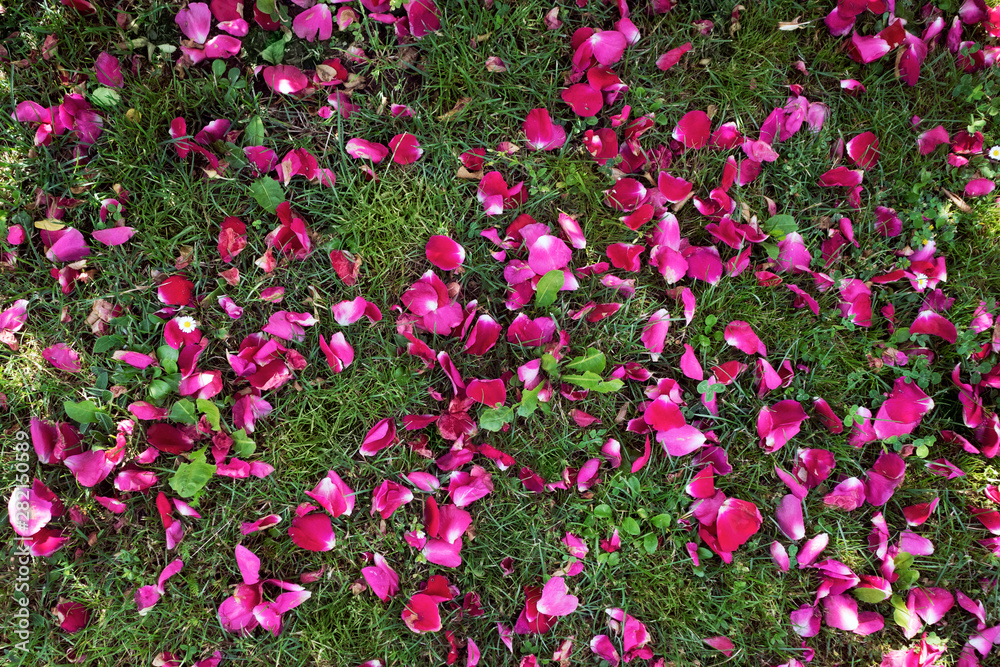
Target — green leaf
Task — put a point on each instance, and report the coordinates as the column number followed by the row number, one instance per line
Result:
column 602, row 511
column 548, row 288
column 107, row 343
column 634, row 485
column 268, row 193
column 254, row 131
column 168, row 358
column 493, row 419
column 902, row 561
column 587, row 380
column 218, row 67
column 772, row 250
column 907, row 578
column 649, row 543
column 105, row 98
column 159, row 389
column 710, row 321
column 661, row 521
column 243, row 445
column 549, row 363
column 631, row 526
column 901, row 617
column 211, row 412
column 609, row 386
column 191, row 478
column 84, row 412
column 593, row 361
column 267, row 6
column 529, row 401
column 872, row 595
column 779, row 226
column 183, row 411
column 275, row 52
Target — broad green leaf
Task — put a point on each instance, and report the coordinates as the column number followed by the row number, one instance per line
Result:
column 902, row 561
column 191, row 478
column 649, row 543
column 158, row 389
column 268, row 193
column 108, row 343
column 602, row 511
column 211, row 412
column 168, row 358
column 609, row 386
column 901, row 617
column 587, row 380
column 218, row 67
column 84, row 412
column 493, row 419
column 780, row 226
column 275, row 52
column 105, row 98
column 661, row 521
column 529, row 401
column 548, row 288
column 593, row 361
column 183, row 411
column 907, row 578
column 243, row 445
column 254, row 132
column 872, row 595
column 631, row 526
column 634, row 485
column 549, row 363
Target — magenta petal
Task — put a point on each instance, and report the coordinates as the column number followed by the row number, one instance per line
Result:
column 583, row 99
column 929, row 140
column 654, row 334
column 286, row 79
column 314, row 23
column 382, row 435
column 672, row 57
column 723, row 644
column 313, row 532
column 693, row 129
column 113, row 236
column 978, row 187
column 381, row 578
column 848, row 495
column 65, row 245
column 929, row 322
column 556, row 600
column 63, row 357
column 841, row 612
column 108, row 70
column 405, row 148
column 441, row 552
column 548, row 253
column 806, row 621
column 931, row 604
column 789, row 517
column 604, row 648
column 738, row 520
column 741, row 336
column 195, row 21
column 779, row 556
column 444, row 253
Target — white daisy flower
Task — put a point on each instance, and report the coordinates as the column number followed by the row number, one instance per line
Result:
column 186, row 324
column 994, row 153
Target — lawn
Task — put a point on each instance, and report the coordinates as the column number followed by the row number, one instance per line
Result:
column 338, row 333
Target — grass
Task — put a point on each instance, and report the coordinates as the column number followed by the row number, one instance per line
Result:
column 318, row 423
